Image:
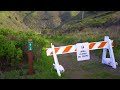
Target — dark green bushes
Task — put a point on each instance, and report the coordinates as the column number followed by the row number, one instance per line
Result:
column 13, row 46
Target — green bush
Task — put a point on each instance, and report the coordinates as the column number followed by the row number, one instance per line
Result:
column 14, row 46
column 2, row 43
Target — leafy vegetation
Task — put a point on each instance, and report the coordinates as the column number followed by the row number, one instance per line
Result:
column 13, row 47
column 43, row 69
column 13, row 56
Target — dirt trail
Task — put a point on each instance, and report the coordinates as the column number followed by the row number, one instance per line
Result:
column 72, row 67
column 72, row 70
column 75, row 69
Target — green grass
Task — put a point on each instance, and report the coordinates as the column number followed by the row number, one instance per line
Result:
column 96, row 70
column 84, row 36
column 74, row 13
column 34, row 13
column 43, row 69
column 102, row 75
column 12, row 20
column 105, row 75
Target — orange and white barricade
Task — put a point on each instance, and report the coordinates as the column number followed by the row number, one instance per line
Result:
column 106, row 44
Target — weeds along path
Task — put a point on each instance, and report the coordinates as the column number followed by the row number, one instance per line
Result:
column 89, row 69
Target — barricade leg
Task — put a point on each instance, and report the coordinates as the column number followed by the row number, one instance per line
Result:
column 56, row 65
column 109, row 61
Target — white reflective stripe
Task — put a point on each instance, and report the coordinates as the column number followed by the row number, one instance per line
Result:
column 61, row 50
column 49, row 50
column 73, row 48
column 98, row 44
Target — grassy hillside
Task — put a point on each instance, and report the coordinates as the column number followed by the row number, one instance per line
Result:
column 12, row 20
column 45, row 21
column 99, row 20
column 41, row 20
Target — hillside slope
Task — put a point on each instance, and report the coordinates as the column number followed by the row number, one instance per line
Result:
column 35, row 20
column 12, row 20
column 63, row 21
column 101, row 19
column 38, row 20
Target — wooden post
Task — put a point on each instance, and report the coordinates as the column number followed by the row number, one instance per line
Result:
column 30, row 57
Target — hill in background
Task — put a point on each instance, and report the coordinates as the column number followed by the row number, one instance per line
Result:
column 63, row 21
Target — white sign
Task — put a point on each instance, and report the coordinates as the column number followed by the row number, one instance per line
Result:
column 82, row 51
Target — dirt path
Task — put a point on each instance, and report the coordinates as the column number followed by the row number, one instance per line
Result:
column 72, row 69
column 89, row 69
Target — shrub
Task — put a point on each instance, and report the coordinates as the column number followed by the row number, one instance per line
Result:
column 13, row 46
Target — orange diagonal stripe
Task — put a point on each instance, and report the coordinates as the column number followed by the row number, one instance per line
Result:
column 67, row 49
column 102, row 44
column 91, row 45
column 56, row 50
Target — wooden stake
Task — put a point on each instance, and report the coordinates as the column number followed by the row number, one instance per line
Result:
column 30, row 57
